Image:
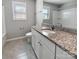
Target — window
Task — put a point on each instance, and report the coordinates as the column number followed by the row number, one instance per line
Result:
column 46, row 12
column 19, row 10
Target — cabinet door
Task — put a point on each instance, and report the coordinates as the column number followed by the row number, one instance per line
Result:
column 37, row 48
column 46, row 53
column 60, row 54
column 33, row 39
column 35, row 42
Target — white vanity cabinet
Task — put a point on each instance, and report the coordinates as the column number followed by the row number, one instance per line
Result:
column 42, row 46
column 45, row 49
column 35, row 42
column 60, row 54
column 33, row 39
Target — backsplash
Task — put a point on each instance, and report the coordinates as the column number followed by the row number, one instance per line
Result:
column 66, row 29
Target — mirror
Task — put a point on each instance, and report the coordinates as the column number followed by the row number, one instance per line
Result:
column 46, row 14
column 60, row 13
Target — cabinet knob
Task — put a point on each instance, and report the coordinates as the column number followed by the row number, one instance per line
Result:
column 39, row 43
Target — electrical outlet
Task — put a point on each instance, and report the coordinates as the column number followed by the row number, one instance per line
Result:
column 21, row 28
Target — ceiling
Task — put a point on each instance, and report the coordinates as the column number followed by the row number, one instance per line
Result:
column 59, row 1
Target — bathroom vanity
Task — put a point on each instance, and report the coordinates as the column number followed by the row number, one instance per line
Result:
column 49, row 44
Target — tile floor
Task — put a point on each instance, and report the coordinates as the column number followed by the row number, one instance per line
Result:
column 18, row 49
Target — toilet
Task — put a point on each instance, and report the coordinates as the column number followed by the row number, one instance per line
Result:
column 28, row 36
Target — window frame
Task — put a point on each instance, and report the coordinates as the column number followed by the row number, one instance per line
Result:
column 14, row 3
column 48, row 8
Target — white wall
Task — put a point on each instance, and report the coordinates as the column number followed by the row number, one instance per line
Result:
column 39, row 15
column 16, row 28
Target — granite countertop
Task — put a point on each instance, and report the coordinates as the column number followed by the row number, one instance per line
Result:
column 67, row 41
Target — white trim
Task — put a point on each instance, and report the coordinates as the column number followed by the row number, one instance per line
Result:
column 48, row 8
column 17, row 38
column 14, row 3
column 4, row 37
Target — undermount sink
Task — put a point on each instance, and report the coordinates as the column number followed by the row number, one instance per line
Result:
column 45, row 28
column 49, row 31
column 48, row 28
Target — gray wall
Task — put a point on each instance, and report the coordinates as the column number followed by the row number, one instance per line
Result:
column 15, row 28
column 69, row 5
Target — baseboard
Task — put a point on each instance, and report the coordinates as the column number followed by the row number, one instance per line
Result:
column 4, row 37
column 17, row 38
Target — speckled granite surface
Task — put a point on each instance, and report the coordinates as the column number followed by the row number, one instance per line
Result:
column 66, row 40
